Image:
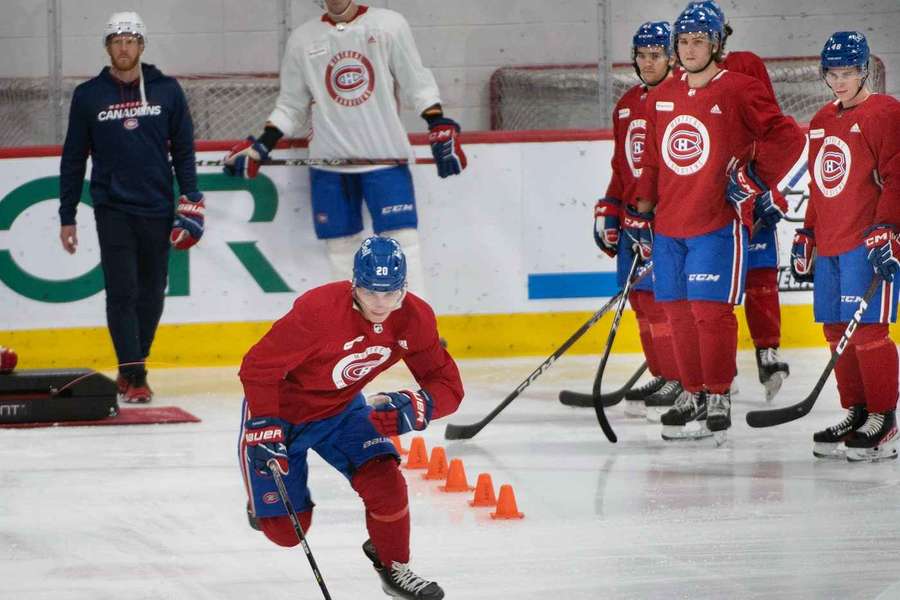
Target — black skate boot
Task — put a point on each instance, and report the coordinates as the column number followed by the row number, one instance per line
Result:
column 718, row 415
column 399, row 581
column 875, row 440
column 828, row 443
column 662, row 400
column 690, row 406
column 634, row 398
column 772, row 370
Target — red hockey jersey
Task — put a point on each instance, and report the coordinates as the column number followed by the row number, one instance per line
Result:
column 854, row 168
column 750, row 64
column 629, row 137
column 694, row 135
column 322, row 353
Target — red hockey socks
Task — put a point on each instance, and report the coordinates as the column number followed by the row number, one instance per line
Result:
column 877, row 365
column 717, row 330
column 383, row 490
column 642, row 303
column 687, row 352
column 763, row 307
column 281, row 531
column 846, row 369
column 663, row 350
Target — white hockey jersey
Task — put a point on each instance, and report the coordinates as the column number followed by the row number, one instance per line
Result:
column 340, row 80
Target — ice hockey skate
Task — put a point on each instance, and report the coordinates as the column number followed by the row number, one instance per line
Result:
column 718, row 416
column 686, row 420
column 876, row 440
column 829, row 443
column 772, row 370
column 635, row 405
column 662, row 400
column 400, row 582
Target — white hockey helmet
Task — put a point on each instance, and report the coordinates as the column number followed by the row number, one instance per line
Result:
column 125, row 23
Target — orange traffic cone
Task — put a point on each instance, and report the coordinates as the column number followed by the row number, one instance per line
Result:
column 437, row 466
column 484, row 492
column 456, row 478
column 418, row 455
column 506, row 504
column 395, row 439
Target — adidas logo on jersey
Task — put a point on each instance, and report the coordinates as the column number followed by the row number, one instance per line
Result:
column 715, row 110
column 855, row 128
column 371, row 39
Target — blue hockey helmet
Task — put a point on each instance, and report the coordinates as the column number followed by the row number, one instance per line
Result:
column 710, row 5
column 699, row 19
column 379, row 265
column 845, row 49
column 654, row 34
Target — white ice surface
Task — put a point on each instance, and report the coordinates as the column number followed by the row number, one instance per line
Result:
column 157, row 512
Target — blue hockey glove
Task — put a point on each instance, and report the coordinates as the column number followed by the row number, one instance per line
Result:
column 606, row 225
column 443, row 135
column 265, row 439
column 396, row 413
column 638, row 226
column 188, row 226
column 884, row 248
column 803, row 255
column 751, row 197
column 244, row 157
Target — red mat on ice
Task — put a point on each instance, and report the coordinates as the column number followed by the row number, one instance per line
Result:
column 126, row 416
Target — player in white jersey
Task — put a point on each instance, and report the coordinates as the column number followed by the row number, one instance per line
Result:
column 339, row 75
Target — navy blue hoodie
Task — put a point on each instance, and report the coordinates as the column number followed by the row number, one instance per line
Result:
column 129, row 145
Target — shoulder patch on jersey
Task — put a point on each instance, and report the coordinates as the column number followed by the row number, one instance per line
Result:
column 816, row 134
column 855, row 128
column 624, row 112
column 665, row 106
column 715, row 110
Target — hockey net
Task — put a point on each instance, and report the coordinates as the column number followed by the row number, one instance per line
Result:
column 223, row 107
column 568, row 96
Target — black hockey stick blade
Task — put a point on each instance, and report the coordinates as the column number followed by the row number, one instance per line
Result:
column 786, row 414
column 465, row 432
column 570, row 398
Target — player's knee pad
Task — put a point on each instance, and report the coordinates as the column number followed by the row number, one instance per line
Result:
column 762, row 279
column 382, row 488
column 678, row 311
column 638, row 301
column 341, row 251
column 867, row 335
column 715, row 314
column 281, row 531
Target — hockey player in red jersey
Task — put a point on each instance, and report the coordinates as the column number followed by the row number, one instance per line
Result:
column 303, row 385
column 653, row 61
column 762, row 306
column 697, row 174
column 851, row 228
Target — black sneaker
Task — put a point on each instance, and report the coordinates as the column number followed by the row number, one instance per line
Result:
column 399, row 581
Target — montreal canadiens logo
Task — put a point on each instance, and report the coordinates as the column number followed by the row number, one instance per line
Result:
column 271, row 498
column 832, row 166
column 349, row 78
column 354, row 367
column 685, row 145
column 635, row 141
column 131, row 123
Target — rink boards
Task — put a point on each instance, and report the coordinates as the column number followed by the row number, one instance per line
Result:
column 509, row 257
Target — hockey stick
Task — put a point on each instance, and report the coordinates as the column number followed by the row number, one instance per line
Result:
column 465, row 432
column 322, row 162
column 785, row 414
column 298, row 529
column 613, row 329
column 569, row 398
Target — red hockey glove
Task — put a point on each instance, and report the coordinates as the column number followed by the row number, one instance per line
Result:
column 8, row 360
column 606, row 225
column 803, row 255
column 884, row 248
column 244, row 157
column 751, row 197
column 188, row 226
column 443, row 135
column 396, row 413
column 264, row 438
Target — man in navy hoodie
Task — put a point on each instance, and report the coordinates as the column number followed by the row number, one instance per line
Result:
column 131, row 119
